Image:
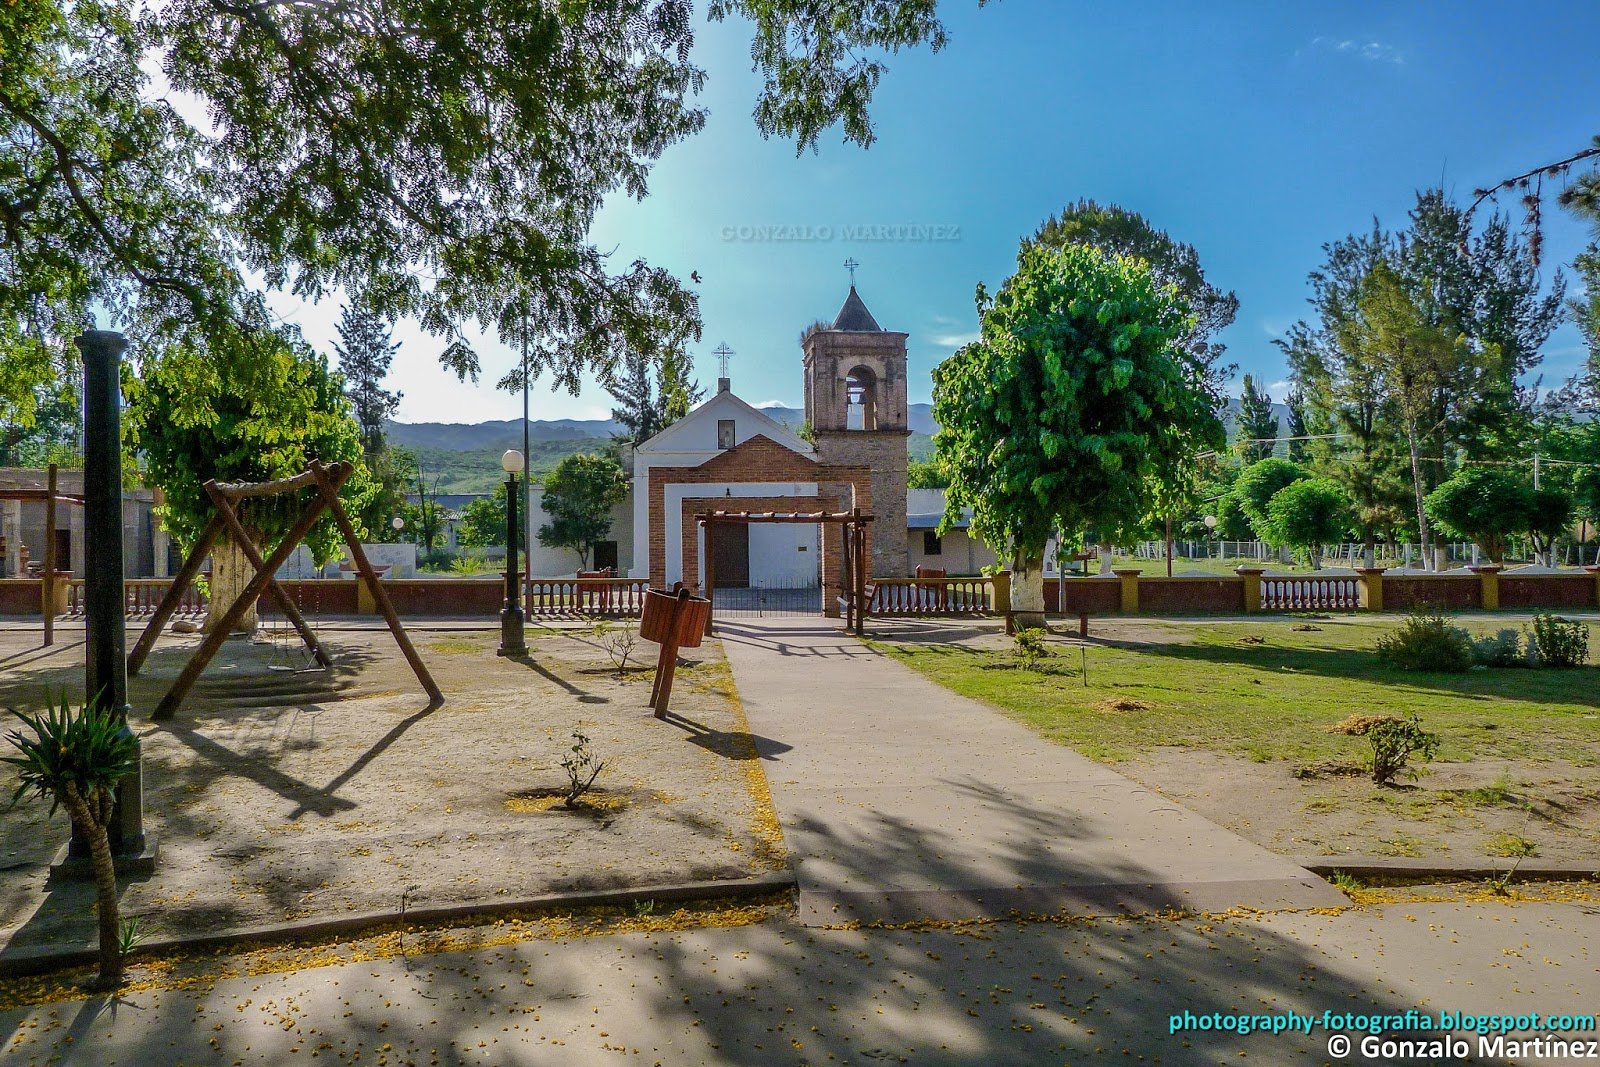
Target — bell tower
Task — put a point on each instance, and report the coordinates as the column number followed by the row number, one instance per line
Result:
column 855, row 386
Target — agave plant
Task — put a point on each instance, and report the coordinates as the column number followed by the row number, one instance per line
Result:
column 75, row 759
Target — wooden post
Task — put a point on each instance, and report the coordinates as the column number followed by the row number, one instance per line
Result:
column 47, row 583
column 328, row 483
column 859, row 592
column 667, row 662
column 711, row 572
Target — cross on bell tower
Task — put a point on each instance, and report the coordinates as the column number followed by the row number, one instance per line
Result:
column 851, row 265
column 722, row 352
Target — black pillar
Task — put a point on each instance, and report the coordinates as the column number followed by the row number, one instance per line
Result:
column 105, row 644
column 512, row 641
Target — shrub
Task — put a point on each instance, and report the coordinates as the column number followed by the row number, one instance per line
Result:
column 1030, row 647
column 76, row 759
column 1394, row 742
column 1504, row 649
column 579, row 761
column 1559, row 642
column 1427, row 642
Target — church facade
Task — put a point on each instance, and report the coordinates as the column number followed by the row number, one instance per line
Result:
column 728, row 455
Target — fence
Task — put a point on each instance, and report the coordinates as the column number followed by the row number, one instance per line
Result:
column 931, row 596
column 767, row 600
column 621, row 598
column 141, row 597
column 1309, row 594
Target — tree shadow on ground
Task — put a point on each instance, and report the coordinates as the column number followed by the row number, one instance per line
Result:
column 728, row 744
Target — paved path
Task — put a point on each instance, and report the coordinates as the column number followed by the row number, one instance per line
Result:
column 902, row 800
column 776, row 995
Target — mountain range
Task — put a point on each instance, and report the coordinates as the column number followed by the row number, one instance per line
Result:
column 465, row 457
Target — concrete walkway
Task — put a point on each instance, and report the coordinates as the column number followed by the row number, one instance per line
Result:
column 902, row 800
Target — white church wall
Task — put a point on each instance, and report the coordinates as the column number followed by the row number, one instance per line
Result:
column 676, row 494
column 783, row 555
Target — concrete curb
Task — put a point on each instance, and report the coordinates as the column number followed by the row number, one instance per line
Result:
column 1528, row 870
column 33, row 960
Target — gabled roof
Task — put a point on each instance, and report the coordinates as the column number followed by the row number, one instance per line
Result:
column 854, row 316
column 725, row 406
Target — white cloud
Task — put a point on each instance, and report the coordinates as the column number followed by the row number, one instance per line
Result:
column 1371, row 51
column 954, row 340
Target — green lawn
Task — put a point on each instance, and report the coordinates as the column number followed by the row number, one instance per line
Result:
column 1210, row 686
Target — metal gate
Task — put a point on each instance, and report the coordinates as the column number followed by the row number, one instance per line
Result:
column 767, row 600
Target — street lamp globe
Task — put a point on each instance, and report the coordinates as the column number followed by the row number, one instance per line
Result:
column 1211, row 522
column 511, row 462
column 397, row 523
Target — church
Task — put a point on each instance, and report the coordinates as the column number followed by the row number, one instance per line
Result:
column 728, row 455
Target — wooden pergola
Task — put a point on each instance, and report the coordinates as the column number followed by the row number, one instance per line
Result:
column 852, row 524
column 50, row 495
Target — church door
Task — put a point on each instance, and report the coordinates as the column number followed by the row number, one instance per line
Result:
column 732, row 546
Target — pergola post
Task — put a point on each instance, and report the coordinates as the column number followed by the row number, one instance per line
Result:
column 711, row 573
column 47, row 583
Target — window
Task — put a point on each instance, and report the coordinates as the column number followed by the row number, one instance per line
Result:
column 724, row 433
column 932, row 544
column 861, row 400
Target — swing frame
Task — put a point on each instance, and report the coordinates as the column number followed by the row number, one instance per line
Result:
column 225, row 498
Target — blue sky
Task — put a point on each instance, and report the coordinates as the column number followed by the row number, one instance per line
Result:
column 1253, row 131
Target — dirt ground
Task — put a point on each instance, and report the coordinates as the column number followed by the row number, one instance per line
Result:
column 280, row 793
column 1467, row 812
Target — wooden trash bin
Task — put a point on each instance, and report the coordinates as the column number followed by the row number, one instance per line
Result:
column 674, row 622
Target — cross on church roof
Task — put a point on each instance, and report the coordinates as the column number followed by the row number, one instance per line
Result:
column 851, row 265
column 722, row 352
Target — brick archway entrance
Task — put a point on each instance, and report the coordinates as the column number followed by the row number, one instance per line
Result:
column 852, row 527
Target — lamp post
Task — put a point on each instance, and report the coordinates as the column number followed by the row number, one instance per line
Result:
column 1211, row 527
column 512, row 642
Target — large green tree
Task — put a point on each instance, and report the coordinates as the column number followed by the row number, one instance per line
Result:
column 294, row 411
column 1308, row 514
column 1079, row 407
column 1258, row 483
column 483, row 521
column 579, row 496
column 1119, row 231
column 1484, row 505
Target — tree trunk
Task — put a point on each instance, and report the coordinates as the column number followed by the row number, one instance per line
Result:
column 1416, row 484
column 93, row 830
column 1027, row 589
column 230, row 573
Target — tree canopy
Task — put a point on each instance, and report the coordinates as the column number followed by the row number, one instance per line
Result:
column 1258, row 483
column 1308, row 514
column 579, row 495
column 1258, row 424
column 1078, row 407
column 1119, row 231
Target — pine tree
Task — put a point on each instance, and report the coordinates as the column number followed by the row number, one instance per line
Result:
column 649, row 399
column 1258, row 426
column 365, row 353
column 1296, row 401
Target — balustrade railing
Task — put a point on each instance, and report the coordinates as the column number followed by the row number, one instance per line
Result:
column 1309, row 593
column 610, row 597
column 931, row 596
column 141, row 597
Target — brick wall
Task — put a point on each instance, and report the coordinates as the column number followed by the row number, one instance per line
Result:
column 1189, row 596
column 1097, row 596
column 19, row 596
column 1447, row 592
column 1547, row 591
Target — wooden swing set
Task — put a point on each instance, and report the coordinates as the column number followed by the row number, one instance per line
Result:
column 225, row 498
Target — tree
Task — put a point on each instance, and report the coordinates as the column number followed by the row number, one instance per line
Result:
column 1308, row 514
column 76, row 760
column 1549, row 518
column 1345, row 398
column 579, row 496
column 1483, row 505
column 425, row 516
column 1119, row 231
column 366, row 351
column 926, row 474
column 432, row 160
column 1258, row 425
column 1258, row 483
column 270, row 427
column 1298, row 431
column 483, row 521
column 1427, row 370
column 1077, row 408
column 652, row 396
